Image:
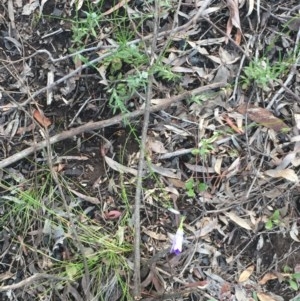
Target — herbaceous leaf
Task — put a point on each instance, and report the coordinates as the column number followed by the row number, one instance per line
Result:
column 296, row 276
column 189, row 184
column 71, row 270
column 294, row 285
column 202, row 187
column 269, row 225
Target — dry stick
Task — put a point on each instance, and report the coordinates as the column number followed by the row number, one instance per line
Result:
column 91, row 126
column 31, row 279
column 139, row 181
column 138, row 193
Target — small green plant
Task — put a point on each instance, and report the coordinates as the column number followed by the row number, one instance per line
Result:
column 126, row 75
column 273, row 220
column 192, row 187
column 203, row 97
column 263, row 73
column 206, row 146
column 293, row 279
column 165, row 72
column 86, row 27
column 125, row 89
column 126, row 54
column 39, row 209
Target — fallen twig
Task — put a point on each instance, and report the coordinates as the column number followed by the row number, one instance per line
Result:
column 139, row 181
column 31, row 279
column 164, row 103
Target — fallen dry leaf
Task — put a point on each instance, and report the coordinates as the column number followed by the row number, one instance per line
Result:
column 233, row 6
column 250, row 7
column 265, row 297
column 232, row 125
column 218, row 165
column 246, row 274
column 225, row 290
column 86, row 198
column 233, row 168
column 297, row 120
column 238, row 220
column 288, row 174
column 116, row 7
column 113, row 214
column 177, row 183
column 156, row 146
column 39, row 116
column 234, row 20
column 294, row 232
column 157, row 283
column 264, row 117
column 155, row 235
column 198, row 168
column 119, row 167
column 201, row 283
column 266, row 278
column 23, row 130
column 79, row 4
column 206, row 228
column 177, row 131
column 59, row 167
column 166, row 172
column 30, row 7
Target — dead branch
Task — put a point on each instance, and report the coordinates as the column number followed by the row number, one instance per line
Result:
column 91, row 126
column 31, row 279
column 139, row 182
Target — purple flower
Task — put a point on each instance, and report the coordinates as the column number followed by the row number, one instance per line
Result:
column 177, row 242
column 178, row 239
